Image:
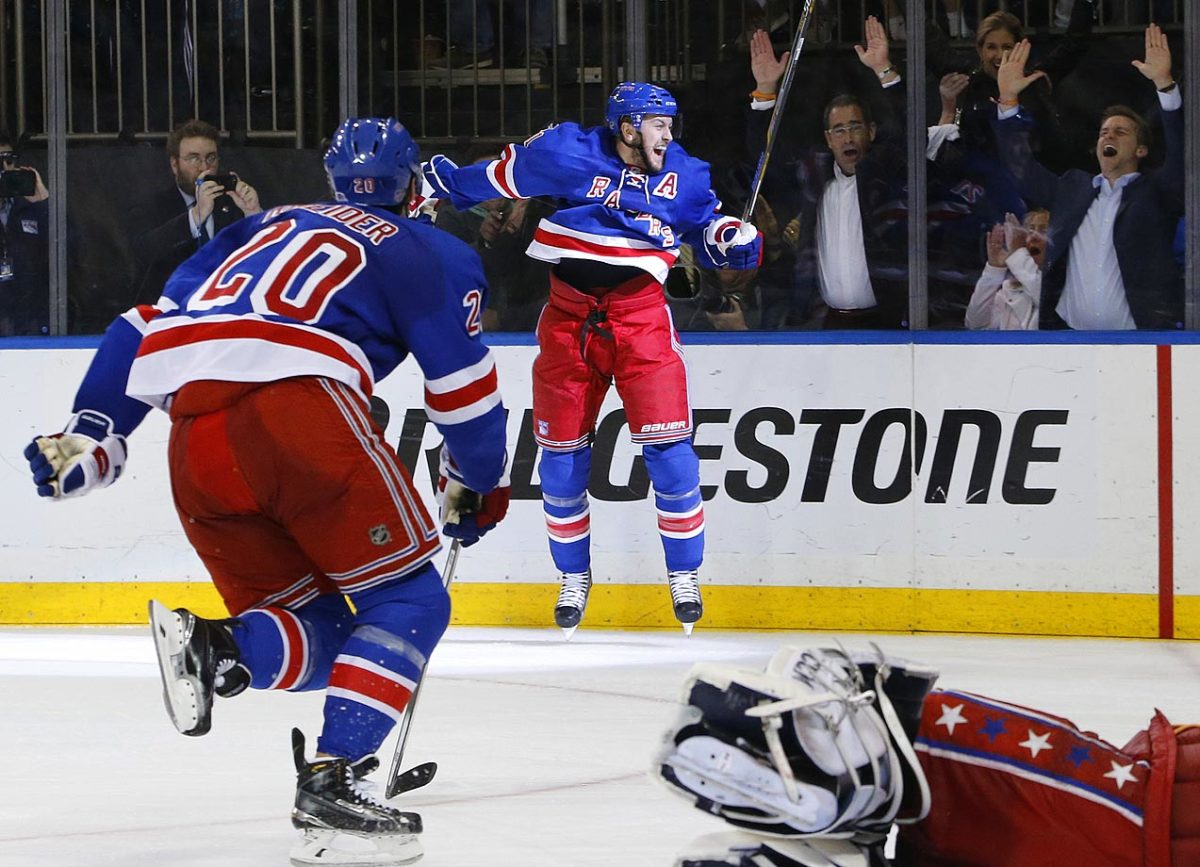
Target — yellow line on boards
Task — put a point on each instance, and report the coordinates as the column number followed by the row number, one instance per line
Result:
column 647, row 606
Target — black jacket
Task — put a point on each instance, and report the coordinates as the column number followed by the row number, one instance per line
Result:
column 882, row 198
column 1143, row 233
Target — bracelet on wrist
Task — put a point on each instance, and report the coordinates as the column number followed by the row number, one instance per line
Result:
column 761, row 96
column 883, row 73
column 1170, row 87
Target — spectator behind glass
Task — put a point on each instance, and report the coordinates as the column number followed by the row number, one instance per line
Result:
column 473, row 38
column 1110, row 263
column 24, row 246
column 971, row 77
column 180, row 218
column 847, row 239
column 1009, row 292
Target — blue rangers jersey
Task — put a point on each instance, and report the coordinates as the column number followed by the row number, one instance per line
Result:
column 611, row 212
column 332, row 290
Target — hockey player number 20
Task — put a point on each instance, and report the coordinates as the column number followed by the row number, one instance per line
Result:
column 296, row 282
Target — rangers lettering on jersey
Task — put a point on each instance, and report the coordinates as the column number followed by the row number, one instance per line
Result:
column 612, row 214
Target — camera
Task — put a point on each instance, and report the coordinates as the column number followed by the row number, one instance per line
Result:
column 228, row 180
column 17, row 182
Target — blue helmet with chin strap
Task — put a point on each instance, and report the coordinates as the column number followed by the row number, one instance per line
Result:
column 371, row 160
column 635, row 100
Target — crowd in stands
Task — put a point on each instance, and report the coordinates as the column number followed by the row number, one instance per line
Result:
column 1054, row 164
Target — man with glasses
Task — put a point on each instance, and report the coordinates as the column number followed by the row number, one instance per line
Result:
column 849, row 228
column 180, row 219
column 24, row 250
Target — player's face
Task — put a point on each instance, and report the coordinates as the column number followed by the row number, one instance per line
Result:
column 849, row 136
column 656, row 136
column 1117, row 146
column 991, row 50
column 197, row 156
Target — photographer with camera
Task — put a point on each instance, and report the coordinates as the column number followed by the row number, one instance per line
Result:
column 24, row 246
column 180, row 219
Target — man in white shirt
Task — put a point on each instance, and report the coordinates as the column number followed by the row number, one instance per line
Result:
column 850, row 232
column 1110, row 263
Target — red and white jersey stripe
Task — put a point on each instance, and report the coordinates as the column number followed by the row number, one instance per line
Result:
column 370, row 684
column 294, row 667
column 467, row 393
column 240, row 348
column 572, row 528
column 553, row 243
column 681, row 525
column 501, row 175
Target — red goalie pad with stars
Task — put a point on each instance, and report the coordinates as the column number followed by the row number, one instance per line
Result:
column 1014, row 786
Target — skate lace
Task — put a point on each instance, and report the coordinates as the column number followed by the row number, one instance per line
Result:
column 685, row 586
column 365, row 791
column 574, row 590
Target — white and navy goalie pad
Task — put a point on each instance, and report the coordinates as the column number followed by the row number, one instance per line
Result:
column 740, row 849
column 803, row 749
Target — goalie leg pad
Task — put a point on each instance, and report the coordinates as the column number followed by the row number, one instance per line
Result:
column 802, row 749
column 748, row 850
column 674, row 471
column 294, row 649
column 396, row 628
column 564, row 479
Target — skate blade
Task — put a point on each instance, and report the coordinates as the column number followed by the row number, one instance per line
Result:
column 180, row 690
column 568, row 632
column 327, row 847
column 687, row 628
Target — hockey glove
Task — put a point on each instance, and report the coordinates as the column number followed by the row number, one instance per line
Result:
column 731, row 243
column 85, row 456
column 437, row 172
column 468, row 515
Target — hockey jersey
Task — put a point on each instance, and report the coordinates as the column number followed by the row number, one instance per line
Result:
column 332, row 290
column 609, row 211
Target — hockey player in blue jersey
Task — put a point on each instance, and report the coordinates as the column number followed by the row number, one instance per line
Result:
column 629, row 195
column 264, row 349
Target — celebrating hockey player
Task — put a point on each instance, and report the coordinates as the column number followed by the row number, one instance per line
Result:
column 815, row 757
column 629, row 195
column 264, row 349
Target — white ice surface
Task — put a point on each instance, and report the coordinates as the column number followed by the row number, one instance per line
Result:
column 543, row 747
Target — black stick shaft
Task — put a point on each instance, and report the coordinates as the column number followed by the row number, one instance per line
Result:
column 406, row 721
column 785, row 85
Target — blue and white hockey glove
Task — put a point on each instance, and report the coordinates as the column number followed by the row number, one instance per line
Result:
column 436, row 172
column 85, row 456
column 468, row 515
column 730, row 243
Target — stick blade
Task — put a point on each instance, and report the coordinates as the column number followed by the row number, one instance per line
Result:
column 414, row 778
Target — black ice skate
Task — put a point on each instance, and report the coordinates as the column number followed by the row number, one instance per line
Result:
column 572, row 600
column 330, row 796
column 685, row 597
column 197, row 658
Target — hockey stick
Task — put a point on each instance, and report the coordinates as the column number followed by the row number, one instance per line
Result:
column 420, row 775
column 785, row 85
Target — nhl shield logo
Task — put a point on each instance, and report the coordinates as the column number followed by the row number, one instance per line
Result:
column 543, row 427
column 380, row 535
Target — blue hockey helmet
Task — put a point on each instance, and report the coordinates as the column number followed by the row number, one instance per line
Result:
column 371, row 160
column 635, row 100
